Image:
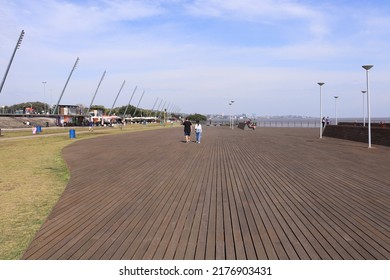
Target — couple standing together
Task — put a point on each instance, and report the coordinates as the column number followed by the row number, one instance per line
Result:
column 188, row 128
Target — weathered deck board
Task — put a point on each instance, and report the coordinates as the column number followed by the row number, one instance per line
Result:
column 272, row 193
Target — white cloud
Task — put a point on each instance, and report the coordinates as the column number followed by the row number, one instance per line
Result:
column 251, row 9
column 270, row 12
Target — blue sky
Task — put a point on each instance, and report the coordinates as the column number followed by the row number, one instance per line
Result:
column 266, row 55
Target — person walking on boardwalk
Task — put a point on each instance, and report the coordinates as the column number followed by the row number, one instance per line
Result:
column 198, row 131
column 187, row 130
column 90, row 126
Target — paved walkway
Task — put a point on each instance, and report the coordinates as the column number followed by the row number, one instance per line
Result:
column 273, row 193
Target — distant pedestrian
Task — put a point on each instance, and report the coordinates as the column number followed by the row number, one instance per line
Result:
column 90, row 126
column 187, row 130
column 323, row 121
column 198, row 131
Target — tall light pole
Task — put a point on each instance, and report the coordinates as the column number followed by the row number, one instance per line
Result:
column 158, row 108
column 128, row 104
column 364, row 116
column 12, row 58
column 335, row 107
column 154, row 105
column 44, row 95
column 55, row 110
column 93, row 98
column 116, row 98
column 367, row 68
column 320, row 84
column 231, row 117
column 136, row 108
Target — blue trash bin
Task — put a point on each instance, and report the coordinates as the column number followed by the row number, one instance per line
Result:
column 72, row 133
column 39, row 128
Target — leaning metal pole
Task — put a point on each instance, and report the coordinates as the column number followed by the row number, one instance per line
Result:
column 158, row 108
column 154, row 105
column 67, row 81
column 12, row 58
column 113, row 104
column 170, row 108
column 128, row 104
column 138, row 103
column 93, row 98
column 162, row 109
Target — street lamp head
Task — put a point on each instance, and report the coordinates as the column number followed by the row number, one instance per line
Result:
column 320, row 84
column 336, row 97
column 363, row 91
column 20, row 40
column 367, row 67
column 75, row 64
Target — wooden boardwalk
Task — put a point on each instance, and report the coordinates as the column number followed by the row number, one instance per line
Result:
column 272, row 193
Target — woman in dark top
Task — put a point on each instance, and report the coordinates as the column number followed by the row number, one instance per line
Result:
column 187, row 130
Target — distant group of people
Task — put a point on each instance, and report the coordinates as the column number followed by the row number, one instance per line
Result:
column 250, row 124
column 188, row 129
column 325, row 121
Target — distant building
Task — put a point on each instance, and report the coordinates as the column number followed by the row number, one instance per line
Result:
column 96, row 113
column 70, row 110
column 28, row 111
column 70, row 115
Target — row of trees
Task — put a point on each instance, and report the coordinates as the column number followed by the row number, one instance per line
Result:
column 31, row 107
column 44, row 108
column 131, row 111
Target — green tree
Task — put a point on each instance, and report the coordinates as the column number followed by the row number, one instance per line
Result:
column 197, row 117
column 38, row 107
